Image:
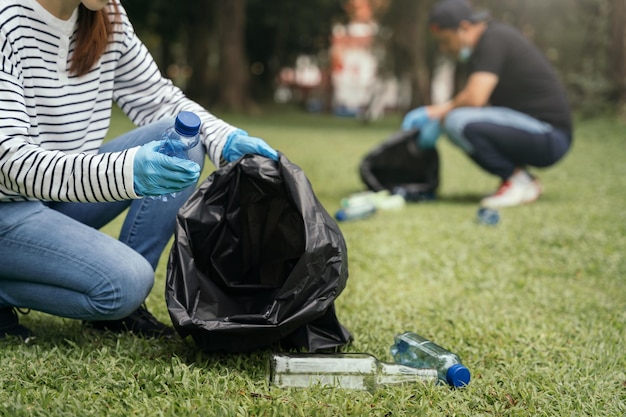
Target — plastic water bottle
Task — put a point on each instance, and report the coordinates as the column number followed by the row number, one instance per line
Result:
column 382, row 200
column 367, row 203
column 356, row 212
column 411, row 349
column 180, row 138
column 488, row 216
column 358, row 371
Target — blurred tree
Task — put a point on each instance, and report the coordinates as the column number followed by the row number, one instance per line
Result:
column 200, row 22
column 243, row 42
column 279, row 30
column 233, row 75
column 235, row 48
column 411, row 49
column 186, row 37
column 618, row 53
column 159, row 24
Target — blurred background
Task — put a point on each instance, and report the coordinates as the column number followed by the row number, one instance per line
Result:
column 366, row 58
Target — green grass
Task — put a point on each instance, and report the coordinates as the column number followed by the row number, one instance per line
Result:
column 535, row 307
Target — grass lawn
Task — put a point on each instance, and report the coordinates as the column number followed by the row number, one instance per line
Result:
column 535, row 307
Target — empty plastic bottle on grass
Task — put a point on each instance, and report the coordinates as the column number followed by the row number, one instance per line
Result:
column 411, row 349
column 358, row 371
column 488, row 216
column 382, row 200
column 180, row 138
column 367, row 203
column 356, row 212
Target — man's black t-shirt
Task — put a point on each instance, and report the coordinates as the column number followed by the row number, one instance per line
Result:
column 527, row 82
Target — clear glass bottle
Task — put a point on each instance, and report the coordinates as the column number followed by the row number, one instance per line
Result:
column 358, row 371
column 411, row 349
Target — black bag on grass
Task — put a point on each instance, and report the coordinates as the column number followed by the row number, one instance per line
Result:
column 257, row 261
column 400, row 166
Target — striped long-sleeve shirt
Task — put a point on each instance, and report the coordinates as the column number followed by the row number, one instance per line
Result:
column 52, row 122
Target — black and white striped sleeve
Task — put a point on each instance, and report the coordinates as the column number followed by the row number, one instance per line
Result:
column 27, row 171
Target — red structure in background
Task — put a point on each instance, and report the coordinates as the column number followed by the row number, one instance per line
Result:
column 350, row 83
column 353, row 64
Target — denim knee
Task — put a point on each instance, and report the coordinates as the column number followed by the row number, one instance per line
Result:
column 454, row 126
column 126, row 286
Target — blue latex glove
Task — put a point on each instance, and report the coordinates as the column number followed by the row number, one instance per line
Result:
column 239, row 144
column 158, row 174
column 429, row 134
column 415, row 119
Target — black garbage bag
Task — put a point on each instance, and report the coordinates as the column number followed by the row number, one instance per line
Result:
column 257, row 261
column 400, row 166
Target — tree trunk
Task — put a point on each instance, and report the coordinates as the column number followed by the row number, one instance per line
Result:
column 233, row 75
column 409, row 20
column 618, row 52
column 422, row 59
column 198, row 36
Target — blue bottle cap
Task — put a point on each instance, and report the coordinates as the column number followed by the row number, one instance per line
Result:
column 341, row 215
column 187, row 123
column 458, row 375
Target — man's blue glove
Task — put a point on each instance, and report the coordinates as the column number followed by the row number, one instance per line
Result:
column 415, row 119
column 239, row 144
column 429, row 133
column 157, row 174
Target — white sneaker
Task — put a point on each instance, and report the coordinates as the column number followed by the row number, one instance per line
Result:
column 521, row 188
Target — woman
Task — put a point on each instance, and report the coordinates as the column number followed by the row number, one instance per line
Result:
column 63, row 64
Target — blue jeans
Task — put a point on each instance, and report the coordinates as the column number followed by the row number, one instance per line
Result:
column 500, row 139
column 54, row 259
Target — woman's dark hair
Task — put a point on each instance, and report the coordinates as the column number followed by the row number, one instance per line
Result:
column 92, row 38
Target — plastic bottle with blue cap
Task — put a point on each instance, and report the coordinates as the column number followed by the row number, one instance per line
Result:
column 365, row 204
column 411, row 349
column 182, row 136
column 179, row 138
column 355, row 212
column 488, row 216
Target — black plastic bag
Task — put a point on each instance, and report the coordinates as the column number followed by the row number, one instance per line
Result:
column 257, row 261
column 400, row 166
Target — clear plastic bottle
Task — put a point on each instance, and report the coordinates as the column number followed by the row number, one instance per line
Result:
column 358, row 371
column 359, row 211
column 180, row 138
column 411, row 349
column 383, row 200
column 488, row 216
column 356, row 199
column 365, row 204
